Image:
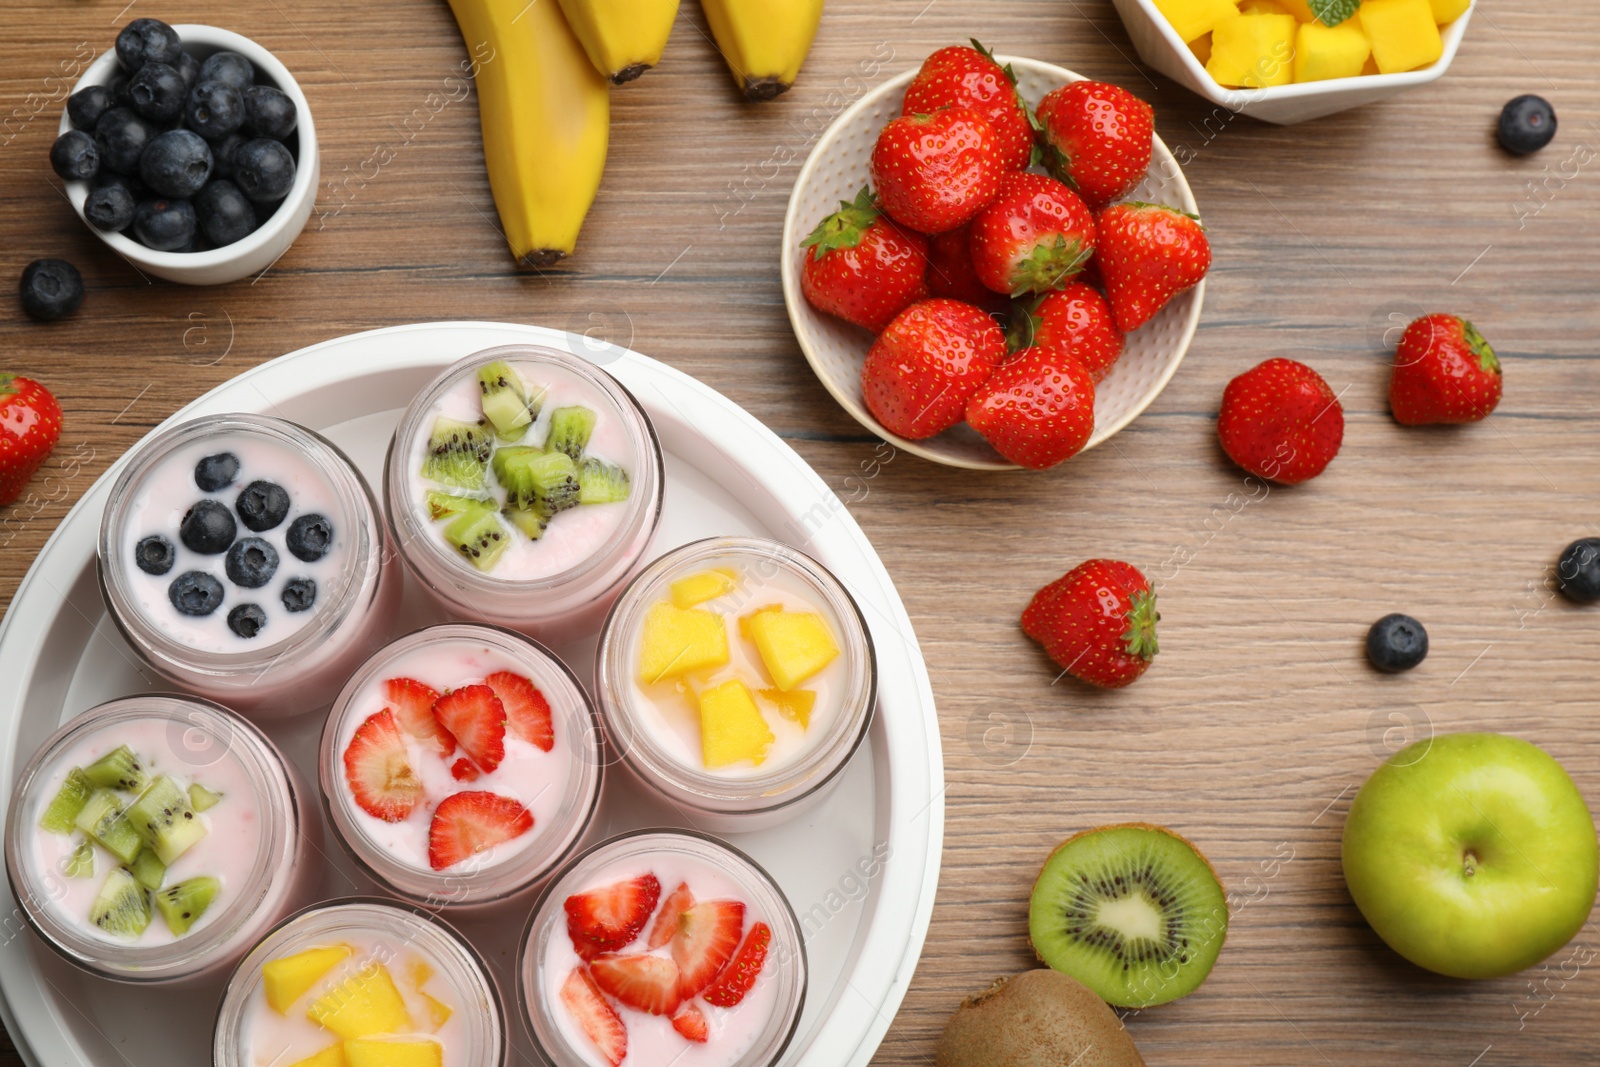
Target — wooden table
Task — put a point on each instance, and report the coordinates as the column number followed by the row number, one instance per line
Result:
column 1260, row 718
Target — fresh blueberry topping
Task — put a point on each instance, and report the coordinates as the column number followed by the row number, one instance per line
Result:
column 165, row 225
column 157, row 92
column 222, row 155
column 189, row 67
column 110, row 207
column 50, row 289
column 251, row 563
column 121, row 137
column 1527, row 123
column 176, row 164
column 216, row 472
column 214, row 109
column 310, row 537
column 1396, row 643
column 268, row 112
column 145, row 41
column 224, row 213
column 247, row 620
column 154, row 554
column 195, row 593
column 262, row 505
column 75, row 156
column 299, row 594
column 85, row 106
column 207, row 528
column 1578, row 573
column 263, row 169
column 230, row 68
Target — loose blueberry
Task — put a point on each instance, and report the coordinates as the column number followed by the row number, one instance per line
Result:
column 1527, row 123
column 109, row 208
column 85, row 106
column 263, row 169
column 176, row 164
column 165, row 225
column 51, row 289
column 145, row 41
column 214, row 109
column 207, row 528
column 155, row 554
column 157, row 92
column 74, row 156
column 189, row 67
column 224, row 212
column 262, row 505
column 299, row 594
column 195, row 593
column 268, row 112
column 251, row 562
column 1578, row 572
column 229, row 67
column 216, row 471
column 247, row 620
column 122, row 137
column 1396, row 643
column 310, row 537
column 222, row 155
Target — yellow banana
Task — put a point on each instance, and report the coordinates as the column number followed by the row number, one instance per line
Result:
column 545, row 113
column 764, row 41
column 624, row 38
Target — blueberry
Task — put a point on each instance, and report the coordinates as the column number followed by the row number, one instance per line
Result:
column 145, row 41
column 109, row 208
column 154, row 554
column 85, row 106
column 216, row 472
column 299, row 594
column 74, row 156
column 118, row 85
column 1396, row 643
column 1578, row 572
column 222, row 155
column 214, row 109
column 195, row 593
column 310, row 537
column 229, row 67
column 51, row 289
column 225, row 215
column 1527, row 123
column 130, row 182
column 207, row 528
column 121, row 137
column 262, row 169
column 165, row 225
column 247, row 620
column 262, row 505
column 251, row 562
column 189, row 68
column 268, row 112
column 176, row 164
column 157, row 92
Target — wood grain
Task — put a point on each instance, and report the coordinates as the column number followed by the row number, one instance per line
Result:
column 1260, row 719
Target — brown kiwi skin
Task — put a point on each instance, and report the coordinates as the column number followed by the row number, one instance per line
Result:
column 1040, row 1018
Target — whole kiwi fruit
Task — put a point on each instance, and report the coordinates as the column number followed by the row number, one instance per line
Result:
column 1039, row 1018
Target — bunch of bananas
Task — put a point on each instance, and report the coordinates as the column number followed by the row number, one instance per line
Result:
column 543, row 69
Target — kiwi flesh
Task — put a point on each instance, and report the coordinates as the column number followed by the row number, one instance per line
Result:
column 1132, row 911
column 458, row 453
column 121, row 908
column 1040, row 1018
column 449, row 505
column 165, row 820
column 600, row 482
column 61, row 813
column 479, row 536
column 103, row 820
column 182, row 905
column 505, row 401
column 201, row 798
column 570, row 429
column 150, row 871
column 118, row 769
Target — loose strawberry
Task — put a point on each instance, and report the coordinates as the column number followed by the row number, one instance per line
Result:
column 921, row 370
column 1279, row 420
column 378, row 771
column 595, row 1016
column 648, row 983
column 609, row 918
column 959, row 76
column 1148, row 253
column 464, row 770
column 468, row 823
column 935, row 172
column 475, row 717
column 527, row 711
column 1096, row 138
column 666, row 923
column 950, row 272
column 862, row 267
column 690, row 1021
column 1098, row 621
column 1444, row 371
column 30, row 426
column 707, row 936
column 413, row 710
column 1075, row 321
column 1033, row 237
column 740, row 974
column 1037, row 409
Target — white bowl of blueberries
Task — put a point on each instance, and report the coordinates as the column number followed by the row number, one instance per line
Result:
column 190, row 151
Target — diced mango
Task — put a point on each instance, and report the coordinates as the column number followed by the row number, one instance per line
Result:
column 1403, row 33
column 1370, row 66
column 744, row 620
column 364, row 1004
column 793, row 644
column 365, row 1052
column 1194, row 18
column 1323, row 52
column 795, row 706
column 332, row 1056
column 418, row 972
column 676, row 641
column 1201, row 47
column 1262, row 7
column 438, row 1012
column 288, row 979
column 1300, row 9
column 731, row 727
column 699, row 588
column 1254, row 51
column 1447, row 11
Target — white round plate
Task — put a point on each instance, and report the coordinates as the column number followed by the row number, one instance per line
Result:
column 862, row 886
column 837, row 169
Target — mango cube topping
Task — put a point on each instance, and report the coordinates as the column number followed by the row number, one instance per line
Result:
column 1254, row 51
column 381, row 1052
column 795, row 705
column 438, row 1012
column 794, row 645
column 288, row 979
column 675, row 641
column 1323, row 52
column 1300, row 9
column 731, row 727
column 704, row 586
column 364, row 1004
column 1380, row 37
column 1195, row 18
column 1447, row 11
column 418, row 972
column 1403, row 33
column 332, row 1056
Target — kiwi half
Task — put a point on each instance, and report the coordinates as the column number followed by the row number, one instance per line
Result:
column 1132, row 911
column 1036, row 1019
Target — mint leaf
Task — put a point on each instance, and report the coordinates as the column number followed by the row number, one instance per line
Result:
column 1333, row 12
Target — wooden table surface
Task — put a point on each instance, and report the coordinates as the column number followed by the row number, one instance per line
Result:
column 1260, row 718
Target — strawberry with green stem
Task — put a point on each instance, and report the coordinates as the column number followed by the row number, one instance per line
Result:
column 1444, row 372
column 1036, row 235
column 1097, row 138
column 862, row 267
column 1097, row 621
column 1074, row 321
column 971, row 78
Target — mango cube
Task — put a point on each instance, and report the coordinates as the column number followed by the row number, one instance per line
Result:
column 364, row 1004
column 699, row 588
column 1195, row 18
column 438, row 1012
column 364, row 1052
column 793, row 644
column 795, row 706
column 676, row 641
column 332, row 1056
column 1262, row 7
column 744, row 620
column 1201, row 47
column 418, row 972
column 288, row 979
column 731, row 727
column 1323, row 52
column 1300, row 9
column 1403, row 33
column 1447, row 11
column 1254, row 51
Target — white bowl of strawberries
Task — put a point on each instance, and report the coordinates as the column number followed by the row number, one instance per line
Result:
column 924, row 217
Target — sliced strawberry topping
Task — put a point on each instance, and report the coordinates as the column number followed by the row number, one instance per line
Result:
column 413, row 710
column 466, row 824
column 648, row 983
column 735, row 981
column 691, row 1023
column 705, row 941
column 527, row 711
column 380, row 776
column 597, row 1019
column 666, row 923
column 606, row 919
column 477, row 720
column 464, row 770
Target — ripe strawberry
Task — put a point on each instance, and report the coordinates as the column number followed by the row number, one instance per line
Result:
column 527, row 711
column 1444, row 371
column 862, row 267
column 1037, row 409
column 380, row 776
column 30, row 426
column 737, row 978
column 477, row 720
column 413, row 710
column 1074, row 321
column 464, row 770
column 1098, row 621
column 1096, row 138
column 950, row 272
column 707, row 936
column 609, row 918
column 921, row 370
column 595, row 1016
column 465, row 824
column 935, row 172
column 959, row 76
column 1033, row 237
column 691, row 1023
column 666, row 923
column 1148, row 253
column 648, row 983
column 1279, row 420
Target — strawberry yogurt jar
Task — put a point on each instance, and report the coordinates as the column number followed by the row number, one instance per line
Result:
column 156, row 838
column 243, row 557
column 523, row 486
column 461, row 764
column 662, row 948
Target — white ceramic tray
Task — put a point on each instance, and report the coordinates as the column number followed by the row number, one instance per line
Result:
column 861, row 870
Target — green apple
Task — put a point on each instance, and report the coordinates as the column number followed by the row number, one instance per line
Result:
column 1472, row 854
